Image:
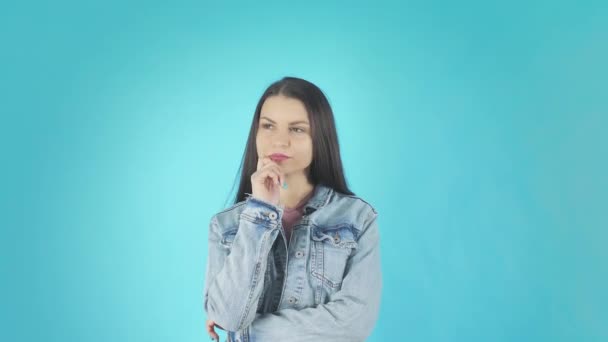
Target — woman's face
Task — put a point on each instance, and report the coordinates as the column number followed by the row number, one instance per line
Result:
column 284, row 128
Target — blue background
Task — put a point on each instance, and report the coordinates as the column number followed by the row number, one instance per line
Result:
column 477, row 129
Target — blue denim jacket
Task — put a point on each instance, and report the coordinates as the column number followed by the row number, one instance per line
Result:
column 325, row 286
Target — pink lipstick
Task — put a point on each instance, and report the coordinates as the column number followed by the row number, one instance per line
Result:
column 278, row 157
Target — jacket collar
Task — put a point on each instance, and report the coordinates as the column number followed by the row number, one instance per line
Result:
column 319, row 199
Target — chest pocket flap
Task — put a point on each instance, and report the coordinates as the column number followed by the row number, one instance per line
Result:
column 228, row 238
column 339, row 236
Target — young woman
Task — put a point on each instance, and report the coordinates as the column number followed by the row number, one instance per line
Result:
column 297, row 257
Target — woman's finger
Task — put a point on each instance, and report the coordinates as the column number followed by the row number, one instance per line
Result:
column 267, row 176
column 271, row 171
column 263, row 161
column 211, row 330
column 275, row 174
column 275, row 167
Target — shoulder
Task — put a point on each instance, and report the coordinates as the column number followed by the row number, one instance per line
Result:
column 355, row 202
column 345, row 210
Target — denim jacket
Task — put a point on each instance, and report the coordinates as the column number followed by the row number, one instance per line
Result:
column 324, row 286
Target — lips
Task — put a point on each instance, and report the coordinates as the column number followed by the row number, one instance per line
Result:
column 278, row 157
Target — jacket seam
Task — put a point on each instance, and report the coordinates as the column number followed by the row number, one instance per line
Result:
column 254, row 280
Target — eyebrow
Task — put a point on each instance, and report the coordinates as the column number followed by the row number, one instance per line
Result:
column 292, row 123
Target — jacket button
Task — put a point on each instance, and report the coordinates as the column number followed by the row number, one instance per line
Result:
column 273, row 216
column 336, row 238
column 292, row 300
column 299, row 254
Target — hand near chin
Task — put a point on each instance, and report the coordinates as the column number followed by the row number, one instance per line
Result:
column 267, row 180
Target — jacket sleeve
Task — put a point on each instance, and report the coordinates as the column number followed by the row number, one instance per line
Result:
column 351, row 313
column 234, row 277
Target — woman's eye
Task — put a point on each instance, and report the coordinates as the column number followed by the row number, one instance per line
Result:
column 296, row 129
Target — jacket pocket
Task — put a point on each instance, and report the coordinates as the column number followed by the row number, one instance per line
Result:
column 332, row 246
column 228, row 238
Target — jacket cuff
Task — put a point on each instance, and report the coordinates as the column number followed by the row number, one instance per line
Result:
column 259, row 211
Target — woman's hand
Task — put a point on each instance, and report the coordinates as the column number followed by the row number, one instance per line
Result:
column 211, row 329
column 266, row 181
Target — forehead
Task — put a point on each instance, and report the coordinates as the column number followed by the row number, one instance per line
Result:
column 280, row 108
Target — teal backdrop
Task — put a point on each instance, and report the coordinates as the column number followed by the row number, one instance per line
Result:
column 476, row 128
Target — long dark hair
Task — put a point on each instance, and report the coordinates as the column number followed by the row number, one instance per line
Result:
column 326, row 165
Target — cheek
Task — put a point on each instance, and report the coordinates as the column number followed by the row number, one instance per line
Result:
column 259, row 144
column 259, row 139
column 305, row 152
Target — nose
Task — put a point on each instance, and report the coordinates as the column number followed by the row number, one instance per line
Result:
column 280, row 139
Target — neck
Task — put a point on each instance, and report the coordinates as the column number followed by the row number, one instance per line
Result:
column 298, row 187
